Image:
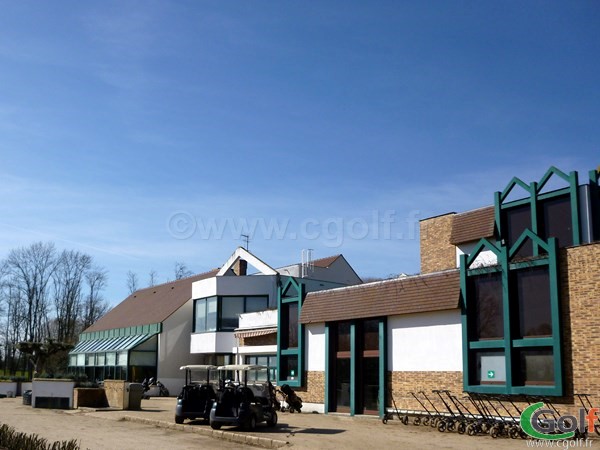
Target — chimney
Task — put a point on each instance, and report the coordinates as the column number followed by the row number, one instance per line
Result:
column 240, row 267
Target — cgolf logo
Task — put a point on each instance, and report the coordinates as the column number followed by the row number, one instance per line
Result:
column 535, row 423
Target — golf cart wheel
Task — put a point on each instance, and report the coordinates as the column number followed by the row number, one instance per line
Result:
column 404, row 420
column 441, row 426
column 417, row 421
column 461, row 428
column 251, row 423
column 273, row 420
column 426, row 421
column 179, row 419
column 434, row 422
column 471, row 430
column 215, row 425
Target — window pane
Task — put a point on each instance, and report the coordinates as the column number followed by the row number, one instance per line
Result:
column 489, row 367
column 100, row 359
column 371, row 383
column 536, row 366
column 371, row 334
column 289, row 368
column 533, row 296
column 517, row 220
column 254, row 304
column 111, row 359
column 200, row 325
column 211, row 314
column 485, row 305
column 342, row 383
column 292, row 325
column 231, row 308
column 122, row 358
column 343, row 337
column 556, row 220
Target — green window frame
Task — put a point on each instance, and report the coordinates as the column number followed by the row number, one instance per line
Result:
column 290, row 333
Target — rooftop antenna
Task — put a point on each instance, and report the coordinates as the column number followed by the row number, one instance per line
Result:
column 246, row 239
column 307, row 262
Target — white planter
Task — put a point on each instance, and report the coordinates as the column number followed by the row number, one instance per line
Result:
column 52, row 393
column 8, row 388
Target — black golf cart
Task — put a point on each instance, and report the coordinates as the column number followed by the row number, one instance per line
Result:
column 198, row 394
column 245, row 397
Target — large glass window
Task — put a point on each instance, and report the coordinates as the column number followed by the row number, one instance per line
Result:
column 222, row 313
column 516, row 220
column 290, row 335
column 532, row 289
column 556, row 220
column 536, row 366
column 264, row 360
column 485, row 302
column 231, row 308
column 205, row 315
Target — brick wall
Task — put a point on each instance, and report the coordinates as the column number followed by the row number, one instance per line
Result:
column 400, row 384
column 267, row 339
column 437, row 253
column 313, row 390
column 580, row 298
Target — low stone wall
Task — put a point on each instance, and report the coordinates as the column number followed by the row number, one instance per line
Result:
column 89, row 397
column 116, row 393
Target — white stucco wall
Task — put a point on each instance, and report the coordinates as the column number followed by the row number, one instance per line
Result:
column 213, row 342
column 425, row 342
column 315, row 347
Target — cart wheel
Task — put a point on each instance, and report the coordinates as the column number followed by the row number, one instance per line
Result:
column 215, row 425
column 513, row 432
column 273, row 421
column 417, row 421
column 404, row 420
column 251, row 423
column 451, row 425
column 471, row 430
column 434, row 422
column 426, row 421
column 441, row 426
column 384, row 420
column 179, row 419
column 495, row 431
column 461, row 428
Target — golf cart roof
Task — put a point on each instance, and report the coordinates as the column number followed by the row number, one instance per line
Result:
column 242, row 367
column 198, row 367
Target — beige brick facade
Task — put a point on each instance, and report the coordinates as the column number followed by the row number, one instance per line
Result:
column 313, row 390
column 400, row 384
column 580, row 300
column 437, row 253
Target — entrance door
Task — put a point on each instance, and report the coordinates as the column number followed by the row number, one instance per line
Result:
column 342, row 367
column 368, row 364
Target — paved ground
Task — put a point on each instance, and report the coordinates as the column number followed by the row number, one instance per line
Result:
column 153, row 428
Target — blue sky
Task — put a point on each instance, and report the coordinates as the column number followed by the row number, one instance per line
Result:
column 120, row 121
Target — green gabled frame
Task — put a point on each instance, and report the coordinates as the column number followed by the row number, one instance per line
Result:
column 508, row 344
column 282, row 298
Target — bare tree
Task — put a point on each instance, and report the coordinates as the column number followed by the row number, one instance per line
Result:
column 94, row 305
column 152, row 278
column 182, row 271
column 132, row 282
column 31, row 269
column 69, row 279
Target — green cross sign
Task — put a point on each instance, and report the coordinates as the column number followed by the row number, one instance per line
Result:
column 491, row 374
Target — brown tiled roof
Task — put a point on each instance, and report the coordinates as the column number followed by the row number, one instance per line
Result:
column 150, row 305
column 420, row 293
column 325, row 262
column 472, row 225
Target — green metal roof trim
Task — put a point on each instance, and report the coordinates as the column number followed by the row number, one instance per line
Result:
column 111, row 344
column 153, row 328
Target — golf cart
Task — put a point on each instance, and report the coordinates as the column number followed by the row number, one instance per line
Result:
column 197, row 395
column 248, row 400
